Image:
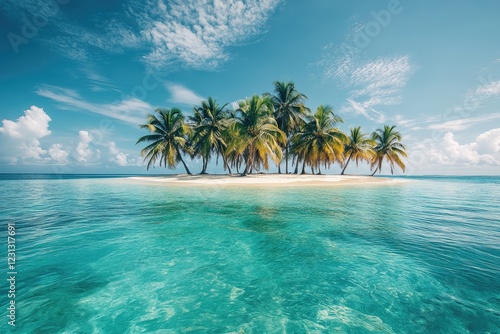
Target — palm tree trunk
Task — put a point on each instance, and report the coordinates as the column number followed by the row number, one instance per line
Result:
column 319, row 169
column 182, row 160
column 348, row 159
column 379, row 167
column 297, row 166
column 247, row 167
column 226, row 164
column 286, row 158
column 304, row 167
column 204, row 165
column 279, row 168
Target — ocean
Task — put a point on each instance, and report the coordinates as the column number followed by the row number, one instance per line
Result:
column 97, row 254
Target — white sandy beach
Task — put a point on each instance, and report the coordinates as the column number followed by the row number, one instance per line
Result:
column 266, row 179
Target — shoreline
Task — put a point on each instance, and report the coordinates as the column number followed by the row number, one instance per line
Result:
column 287, row 180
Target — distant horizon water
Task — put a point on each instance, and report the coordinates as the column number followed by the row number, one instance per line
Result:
column 97, row 254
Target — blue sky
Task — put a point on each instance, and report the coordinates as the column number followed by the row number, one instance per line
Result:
column 78, row 77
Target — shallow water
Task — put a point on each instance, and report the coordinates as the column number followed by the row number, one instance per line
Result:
column 98, row 255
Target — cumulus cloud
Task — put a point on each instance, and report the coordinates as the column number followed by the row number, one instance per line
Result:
column 116, row 156
column 21, row 138
column 483, row 151
column 83, row 152
column 20, row 144
column 183, row 95
column 58, row 154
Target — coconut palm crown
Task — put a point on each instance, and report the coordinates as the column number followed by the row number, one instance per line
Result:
column 388, row 147
column 289, row 111
column 320, row 141
column 167, row 138
column 358, row 148
column 263, row 129
column 256, row 134
column 209, row 123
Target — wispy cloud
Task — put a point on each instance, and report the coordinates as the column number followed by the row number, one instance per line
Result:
column 182, row 95
column 130, row 110
column 478, row 96
column 464, row 123
column 111, row 33
column 192, row 34
column 96, row 81
column 474, row 99
column 197, row 33
column 374, row 84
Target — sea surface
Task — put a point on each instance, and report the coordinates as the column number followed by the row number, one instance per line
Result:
column 99, row 254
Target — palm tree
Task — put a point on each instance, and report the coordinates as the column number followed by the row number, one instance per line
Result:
column 210, row 123
column 388, row 147
column 358, row 148
column 256, row 135
column 168, row 137
column 289, row 110
column 320, row 141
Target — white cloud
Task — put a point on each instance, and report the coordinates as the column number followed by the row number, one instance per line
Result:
column 182, row 95
column 196, row 33
column 477, row 97
column 130, row 110
column 93, row 149
column 20, row 144
column 83, row 152
column 484, row 151
column 21, row 138
column 121, row 159
column 96, row 81
column 373, row 83
column 58, row 154
column 376, row 83
column 490, row 89
column 79, row 43
column 462, row 124
column 488, row 142
column 116, row 156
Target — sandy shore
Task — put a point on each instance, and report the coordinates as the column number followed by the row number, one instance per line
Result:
column 265, row 179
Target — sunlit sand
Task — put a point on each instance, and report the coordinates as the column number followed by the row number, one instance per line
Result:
column 266, row 179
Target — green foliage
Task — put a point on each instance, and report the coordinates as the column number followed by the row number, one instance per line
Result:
column 388, row 147
column 168, row 138
column 320, row 141
column 260, row 130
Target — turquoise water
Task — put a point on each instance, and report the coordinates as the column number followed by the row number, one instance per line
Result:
column 102, row 255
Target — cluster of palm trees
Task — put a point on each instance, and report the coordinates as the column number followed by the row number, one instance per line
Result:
column 271, row 127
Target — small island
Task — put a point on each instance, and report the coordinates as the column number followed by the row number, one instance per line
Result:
column 266, row 128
